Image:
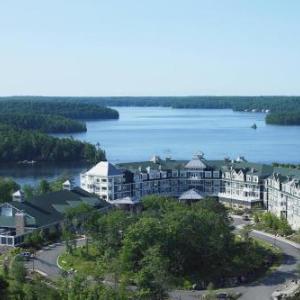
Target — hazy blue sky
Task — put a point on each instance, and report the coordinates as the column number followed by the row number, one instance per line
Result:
column 155, row 47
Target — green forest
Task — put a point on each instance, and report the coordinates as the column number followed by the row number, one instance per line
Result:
column 284, row 110
column 24, row 124
column 284, row 118
column 43, row 123
column 72, row 110
column 169, row 245
column 19, row 145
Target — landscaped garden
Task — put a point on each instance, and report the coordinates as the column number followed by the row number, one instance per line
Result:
column 169, row 245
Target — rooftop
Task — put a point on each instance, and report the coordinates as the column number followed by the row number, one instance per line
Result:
column 104, row 168
column 191, row 194
column 50, row 207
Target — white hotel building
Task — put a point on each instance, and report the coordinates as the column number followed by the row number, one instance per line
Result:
column 236, row 183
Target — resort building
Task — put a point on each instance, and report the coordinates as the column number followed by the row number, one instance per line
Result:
column 282, row 196
column 21, row 216
column 106, row 181
column 236, row 183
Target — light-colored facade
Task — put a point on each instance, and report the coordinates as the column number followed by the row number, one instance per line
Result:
column 236, row 183
column 241, row 188
column 282, row 198
column 170, row 178
column 105, row 180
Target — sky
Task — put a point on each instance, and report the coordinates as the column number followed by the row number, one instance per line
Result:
column 149, row 48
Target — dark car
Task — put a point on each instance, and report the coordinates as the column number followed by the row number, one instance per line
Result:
column 246, row 218
column 222, row 296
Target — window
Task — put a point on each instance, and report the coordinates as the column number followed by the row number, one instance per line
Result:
column 216, row 174
column 207, row 174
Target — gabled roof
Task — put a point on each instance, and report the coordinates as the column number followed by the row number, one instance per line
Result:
column 104, row 168
column 191, row 194
column 50, row 207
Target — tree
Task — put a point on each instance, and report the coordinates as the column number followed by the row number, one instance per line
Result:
column 256, row 218
column 29, row 191
column 153, row 279
column 35, row 239
column 7, row 188
column 18, row 271
column 3, row 287
column 44, row 187
column 245, row 233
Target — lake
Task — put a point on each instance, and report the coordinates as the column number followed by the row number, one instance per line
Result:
column 144, row 131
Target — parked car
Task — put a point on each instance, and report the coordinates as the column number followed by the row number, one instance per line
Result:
column 26, row 255
column 246, row 218
column 222, row 296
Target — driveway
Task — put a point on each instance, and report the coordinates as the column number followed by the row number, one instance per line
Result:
column 45, row 261
column 263, row 288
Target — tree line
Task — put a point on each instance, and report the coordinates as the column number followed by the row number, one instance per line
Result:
column 72, row 110
column 284, row 118
column 23, row 125
column 19, row 145
column 42, row 122
column 284, row 110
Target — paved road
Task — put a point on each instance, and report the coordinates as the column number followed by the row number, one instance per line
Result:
column 46, row 261
column 262, row 289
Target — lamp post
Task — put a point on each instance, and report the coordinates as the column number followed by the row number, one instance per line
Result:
column 274, row 241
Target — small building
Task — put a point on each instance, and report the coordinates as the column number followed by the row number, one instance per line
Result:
column 21, row 217
column 190, row 196
column 128, row 203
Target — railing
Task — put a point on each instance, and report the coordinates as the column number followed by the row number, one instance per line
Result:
column 238, row 197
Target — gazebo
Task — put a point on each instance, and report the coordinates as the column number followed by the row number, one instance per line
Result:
column 190, row 196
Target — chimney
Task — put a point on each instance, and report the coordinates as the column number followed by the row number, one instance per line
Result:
column 20, row 223
column 18, row 196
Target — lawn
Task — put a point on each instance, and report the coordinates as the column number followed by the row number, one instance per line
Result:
column 79, row 261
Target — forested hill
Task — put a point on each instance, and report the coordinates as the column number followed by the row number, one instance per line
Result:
column 43, row 123
column 18, row 145
column 239, row 103
column 283, row 110
column 23, row 124
column 284, row 118
column 68, row 109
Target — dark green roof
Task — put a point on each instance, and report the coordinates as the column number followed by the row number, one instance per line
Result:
column 163, row 164
column 262, row 170
column 50, row 207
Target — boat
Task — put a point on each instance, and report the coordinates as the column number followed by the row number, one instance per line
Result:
column 27, row 162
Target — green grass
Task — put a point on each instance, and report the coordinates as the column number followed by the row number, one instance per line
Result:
column 79, row 261
column 295, row 237
column 277, row 254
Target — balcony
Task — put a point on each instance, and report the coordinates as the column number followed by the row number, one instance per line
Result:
column 238, row 197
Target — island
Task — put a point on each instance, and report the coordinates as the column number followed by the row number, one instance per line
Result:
column 281, row 110
column 26, row 145
column 42, row 122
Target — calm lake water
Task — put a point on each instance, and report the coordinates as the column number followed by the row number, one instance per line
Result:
column 144, row 131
